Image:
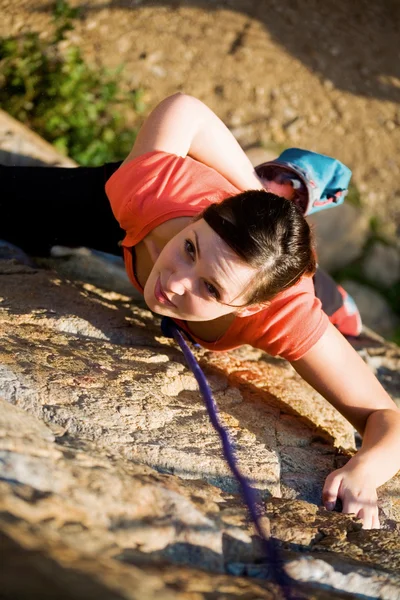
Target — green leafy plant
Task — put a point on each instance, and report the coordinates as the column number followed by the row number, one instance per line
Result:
column 78, row 108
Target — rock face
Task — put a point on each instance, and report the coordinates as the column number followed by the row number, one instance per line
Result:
column 340, row 234
column 382, row 265
column 375, row 310
column 20, row 146
column 113, row 483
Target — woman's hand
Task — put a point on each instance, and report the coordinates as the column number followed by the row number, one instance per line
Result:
column 337, row 372
column 354, row 486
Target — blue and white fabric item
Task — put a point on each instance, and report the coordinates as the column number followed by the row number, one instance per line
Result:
column 326, row 179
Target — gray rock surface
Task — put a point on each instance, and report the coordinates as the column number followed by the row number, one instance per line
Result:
column 375, row 311
column 340, row 234
column 90, row 266
column 21, row 146
column 382, row 265
column 111, row 470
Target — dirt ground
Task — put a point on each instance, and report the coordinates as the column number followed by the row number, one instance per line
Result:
column 320, row 75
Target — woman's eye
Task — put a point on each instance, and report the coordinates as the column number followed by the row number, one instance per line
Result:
column 189, row 248
column 212, row 290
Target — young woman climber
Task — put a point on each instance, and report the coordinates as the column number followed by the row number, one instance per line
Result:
column 225, row 251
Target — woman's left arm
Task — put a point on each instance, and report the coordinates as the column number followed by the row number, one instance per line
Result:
column 337, row 372
column 185, row 126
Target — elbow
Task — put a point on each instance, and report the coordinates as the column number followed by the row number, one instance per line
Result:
column 384, row 416
column 189, row 112
column 180, row 99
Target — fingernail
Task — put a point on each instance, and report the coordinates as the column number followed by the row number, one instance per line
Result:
column 330, row 505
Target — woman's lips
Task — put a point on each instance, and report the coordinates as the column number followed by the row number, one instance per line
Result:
column 160, row 294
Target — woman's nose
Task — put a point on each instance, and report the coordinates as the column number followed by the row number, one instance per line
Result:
column 178, row 283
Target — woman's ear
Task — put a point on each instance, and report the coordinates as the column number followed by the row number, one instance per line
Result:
column 247, row 311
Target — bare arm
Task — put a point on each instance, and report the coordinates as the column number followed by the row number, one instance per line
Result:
column 336, row 371
column 184, row 126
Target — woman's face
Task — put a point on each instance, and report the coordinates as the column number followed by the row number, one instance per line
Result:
column 196, row 271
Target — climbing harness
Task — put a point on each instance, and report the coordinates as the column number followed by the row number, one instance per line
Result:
column 249, row 494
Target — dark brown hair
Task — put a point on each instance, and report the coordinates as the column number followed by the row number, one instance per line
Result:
column 270, row 234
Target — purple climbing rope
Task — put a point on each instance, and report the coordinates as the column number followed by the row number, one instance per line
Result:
column 249, row 494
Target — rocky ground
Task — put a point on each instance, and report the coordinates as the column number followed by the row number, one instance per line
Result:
column 113, row 484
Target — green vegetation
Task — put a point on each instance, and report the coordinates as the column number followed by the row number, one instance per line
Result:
column 396, row 336
column 353, row 196
column 78, row 108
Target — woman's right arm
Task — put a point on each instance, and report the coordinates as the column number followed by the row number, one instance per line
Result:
column 337, row 372
column 185, row 126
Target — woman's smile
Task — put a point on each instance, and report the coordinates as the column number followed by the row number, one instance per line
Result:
column 160, row 295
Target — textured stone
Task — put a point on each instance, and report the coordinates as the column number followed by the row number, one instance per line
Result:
column 341, row 234
column 370, row 583
column 98, row 399
column 92, row 266
column 20, row 146
column 382, row 265
column 375, row 311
